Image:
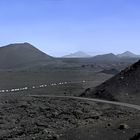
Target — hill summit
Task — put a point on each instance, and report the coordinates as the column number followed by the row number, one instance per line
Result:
column 128, row 54
column 14, row 55
column 106, row 57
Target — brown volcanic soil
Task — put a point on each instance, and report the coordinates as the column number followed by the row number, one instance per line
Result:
column 125, row 86
column 28, row 118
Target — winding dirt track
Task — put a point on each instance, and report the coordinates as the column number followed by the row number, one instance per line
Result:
column 137, row 107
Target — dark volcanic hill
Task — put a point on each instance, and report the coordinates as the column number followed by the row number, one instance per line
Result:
column 125, row 86
column 17, row 55
column 106, row 58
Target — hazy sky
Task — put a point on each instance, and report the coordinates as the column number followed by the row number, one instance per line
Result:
column 58, row 27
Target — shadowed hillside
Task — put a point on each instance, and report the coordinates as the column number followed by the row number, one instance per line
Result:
column 125, row 86
column 17, row 55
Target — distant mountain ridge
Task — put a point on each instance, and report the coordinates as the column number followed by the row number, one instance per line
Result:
column 14, row 55
column 17, row 55
column 78, row 54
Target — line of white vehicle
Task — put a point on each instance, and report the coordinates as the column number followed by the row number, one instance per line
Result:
column 38, row 86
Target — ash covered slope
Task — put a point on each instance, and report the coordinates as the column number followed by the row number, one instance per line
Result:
column 125, row 86
column 15, row 55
